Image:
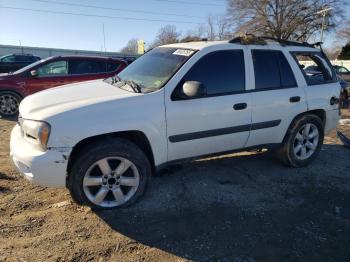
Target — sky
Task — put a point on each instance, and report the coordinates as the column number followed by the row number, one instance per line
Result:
column 43, row 29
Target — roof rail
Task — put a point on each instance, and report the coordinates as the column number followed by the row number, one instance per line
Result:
column 261, row 40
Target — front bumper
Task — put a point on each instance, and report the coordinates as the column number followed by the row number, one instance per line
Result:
column 44, row 168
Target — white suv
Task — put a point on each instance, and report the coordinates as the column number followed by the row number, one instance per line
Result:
column 103, row 139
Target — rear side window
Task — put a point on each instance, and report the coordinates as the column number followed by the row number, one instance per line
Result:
column 272, row 70
column 221, row 72
column 315, row 68
column 112, row 66
column 25, row 58
column 80, row 67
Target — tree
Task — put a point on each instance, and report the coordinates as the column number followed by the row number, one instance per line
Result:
column 216, row 28
column 345, row 52
column 283, row 19
column 166, row 35
column 344, row 32
column 131, row 47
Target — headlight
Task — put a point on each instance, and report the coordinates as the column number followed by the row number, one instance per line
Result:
column 37, row 132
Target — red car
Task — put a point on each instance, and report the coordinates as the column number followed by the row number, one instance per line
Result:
column 51, row 72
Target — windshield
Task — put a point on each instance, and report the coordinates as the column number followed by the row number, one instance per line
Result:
column 23, row 69
column 152, row 70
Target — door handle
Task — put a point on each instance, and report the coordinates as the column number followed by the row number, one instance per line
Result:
column 294, row 99
column 240, row 106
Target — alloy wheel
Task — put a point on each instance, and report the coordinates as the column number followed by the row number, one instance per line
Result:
column 111, row 181
column 306, row 141
column 8, row 104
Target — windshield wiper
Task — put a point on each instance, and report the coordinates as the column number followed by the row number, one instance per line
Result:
column 116, row 81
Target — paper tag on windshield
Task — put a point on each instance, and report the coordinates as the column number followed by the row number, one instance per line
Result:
column 183, row 52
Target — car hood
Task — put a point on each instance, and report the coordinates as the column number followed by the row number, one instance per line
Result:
column 65, row 98
column 4, row 76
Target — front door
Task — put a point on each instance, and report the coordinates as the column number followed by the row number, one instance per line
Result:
column 218, row 122
column 49, row 75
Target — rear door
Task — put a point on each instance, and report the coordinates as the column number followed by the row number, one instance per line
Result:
column 277, row 97
column 86, row 69
column 217, row 122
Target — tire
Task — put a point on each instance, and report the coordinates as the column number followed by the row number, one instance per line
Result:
column 299, row 138
column 9, row 104
column 117, row 166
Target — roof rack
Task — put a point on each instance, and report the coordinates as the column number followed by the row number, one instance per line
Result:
column 261, row 40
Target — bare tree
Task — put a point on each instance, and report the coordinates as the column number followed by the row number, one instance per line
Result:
column 131, row 47
column 344, row 32
column 166, row 35
column 283, row 19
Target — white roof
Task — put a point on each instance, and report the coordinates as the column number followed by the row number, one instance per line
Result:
column 203, row 44
column 196, row 45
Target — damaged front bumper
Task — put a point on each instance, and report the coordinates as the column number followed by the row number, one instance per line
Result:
column 47, row 168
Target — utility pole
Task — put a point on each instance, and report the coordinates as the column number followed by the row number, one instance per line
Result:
column 20, row 44
column 104, row 37
column 324, row 12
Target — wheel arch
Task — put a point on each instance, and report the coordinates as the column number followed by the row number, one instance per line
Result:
column 316, row 112
column 12, row 91
column 137, row 137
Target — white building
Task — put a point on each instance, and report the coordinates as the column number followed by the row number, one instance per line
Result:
column 44, row 52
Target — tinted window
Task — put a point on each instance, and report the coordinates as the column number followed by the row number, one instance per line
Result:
column 25, row 58
column 341, row 69
column 287, row 76
column 112, row 66
column 77, row 67
column 272, row 70
column 54, row 68
column 324, row 72
column 220, row 72
column 9, row 59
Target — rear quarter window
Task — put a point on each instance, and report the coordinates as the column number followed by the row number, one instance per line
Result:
column 315, row 67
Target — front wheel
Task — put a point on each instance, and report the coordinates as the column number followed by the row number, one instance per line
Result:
column 109, row 175
column 9, row 103
column 303, row 141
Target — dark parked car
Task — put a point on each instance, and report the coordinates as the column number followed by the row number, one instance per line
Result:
column 343, row 72
column 51, row 72
column 13, row 62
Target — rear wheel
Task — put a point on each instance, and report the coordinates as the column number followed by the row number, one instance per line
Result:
column 109, row 175
column 9, row 103
column 303, row 141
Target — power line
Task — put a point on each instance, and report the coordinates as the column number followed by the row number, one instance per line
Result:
column 99, row 16
column 189, row 3
column 116, row 9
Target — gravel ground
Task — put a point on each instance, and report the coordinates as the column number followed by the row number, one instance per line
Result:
column 239, row 207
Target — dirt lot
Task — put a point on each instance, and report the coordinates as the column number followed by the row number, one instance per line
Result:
column 241, row 207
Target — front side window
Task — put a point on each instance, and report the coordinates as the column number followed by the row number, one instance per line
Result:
column 54, row 68
column 81, row 67
column 152, row 70
column 272, row 70
column 9, row 59
column 221, row 72
column 341, row 70
column 319, row 70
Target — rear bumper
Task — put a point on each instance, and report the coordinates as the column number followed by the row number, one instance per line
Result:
column 43, row 168
column 332, row 119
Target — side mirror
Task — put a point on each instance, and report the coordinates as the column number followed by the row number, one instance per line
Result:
column 34, row 73
column 192, row 89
